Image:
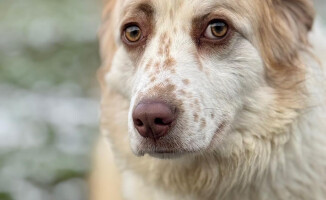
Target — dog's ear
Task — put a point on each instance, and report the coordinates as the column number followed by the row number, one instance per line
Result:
column 106, row 38
column 108, row 6
column 284, row 29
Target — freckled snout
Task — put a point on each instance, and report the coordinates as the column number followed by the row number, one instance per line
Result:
column 153, row 119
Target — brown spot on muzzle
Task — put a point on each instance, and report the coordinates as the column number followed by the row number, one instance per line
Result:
column 163, row 38
column 162, row 92
column 148, row 65
column 186, row 81
column 153, row 79
column 169, row 62
column 203, row 123
column 164, row 49
column 196, row 117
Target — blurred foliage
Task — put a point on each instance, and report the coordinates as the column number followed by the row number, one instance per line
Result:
column 64, row 62
column 45, row 43
column 48, row 118
column 5, row 196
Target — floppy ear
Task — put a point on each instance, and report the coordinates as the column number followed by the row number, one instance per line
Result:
column 108, row 6
column 106, row 39
column 284, row 30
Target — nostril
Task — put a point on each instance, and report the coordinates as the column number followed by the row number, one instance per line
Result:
column 162, row 121
column 138, row 122
column 159, row 121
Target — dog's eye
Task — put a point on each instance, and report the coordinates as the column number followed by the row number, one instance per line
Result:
column 216, row 29
column 132, row 33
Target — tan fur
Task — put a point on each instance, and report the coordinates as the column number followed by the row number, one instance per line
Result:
column 268, row 146
column 107, row 46
column 105, row 179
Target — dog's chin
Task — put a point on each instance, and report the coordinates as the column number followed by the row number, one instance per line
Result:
column 162, row 152
column 170, row 148
column 165, row 154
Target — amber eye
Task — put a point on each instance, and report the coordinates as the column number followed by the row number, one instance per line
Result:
column 217, row 29
column 133, row 33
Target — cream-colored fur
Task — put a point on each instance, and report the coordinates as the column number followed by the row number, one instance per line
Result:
column 272, row 104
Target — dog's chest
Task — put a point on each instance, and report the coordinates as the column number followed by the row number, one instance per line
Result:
column 134, row 188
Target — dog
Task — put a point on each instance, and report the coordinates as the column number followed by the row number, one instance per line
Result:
column 213, row 99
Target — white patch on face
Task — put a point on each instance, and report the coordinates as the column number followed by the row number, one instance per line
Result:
column 122, row 71
column 209, row 88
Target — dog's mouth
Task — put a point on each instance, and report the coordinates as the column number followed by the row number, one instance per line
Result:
column 174, row 147
column 161, row 149
column 167, row 154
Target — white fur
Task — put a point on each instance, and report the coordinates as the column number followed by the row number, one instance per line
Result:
column 268, row 162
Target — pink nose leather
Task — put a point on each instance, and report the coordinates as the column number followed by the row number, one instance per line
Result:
column 153, row 119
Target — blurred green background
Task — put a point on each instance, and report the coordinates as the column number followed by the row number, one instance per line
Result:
column 49, row 97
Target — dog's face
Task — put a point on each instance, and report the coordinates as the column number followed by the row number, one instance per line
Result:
column 189, row 69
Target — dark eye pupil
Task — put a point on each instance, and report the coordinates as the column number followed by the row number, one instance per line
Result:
column 133, row 31
column 218, row 27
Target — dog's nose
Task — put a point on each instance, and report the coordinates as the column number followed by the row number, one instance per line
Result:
column 153, row 119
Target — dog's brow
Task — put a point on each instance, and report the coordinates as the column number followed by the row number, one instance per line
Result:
column 143, row 7
column 197, row 24
column 200, row 18
column 146, row 8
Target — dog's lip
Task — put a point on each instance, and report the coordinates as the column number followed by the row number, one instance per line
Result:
column 219, row 130
column 161, row 152
column 167, row 154
column 166, row 151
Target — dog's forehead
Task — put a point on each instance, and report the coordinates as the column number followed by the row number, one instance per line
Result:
column 182, row 13
column 184, row 8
